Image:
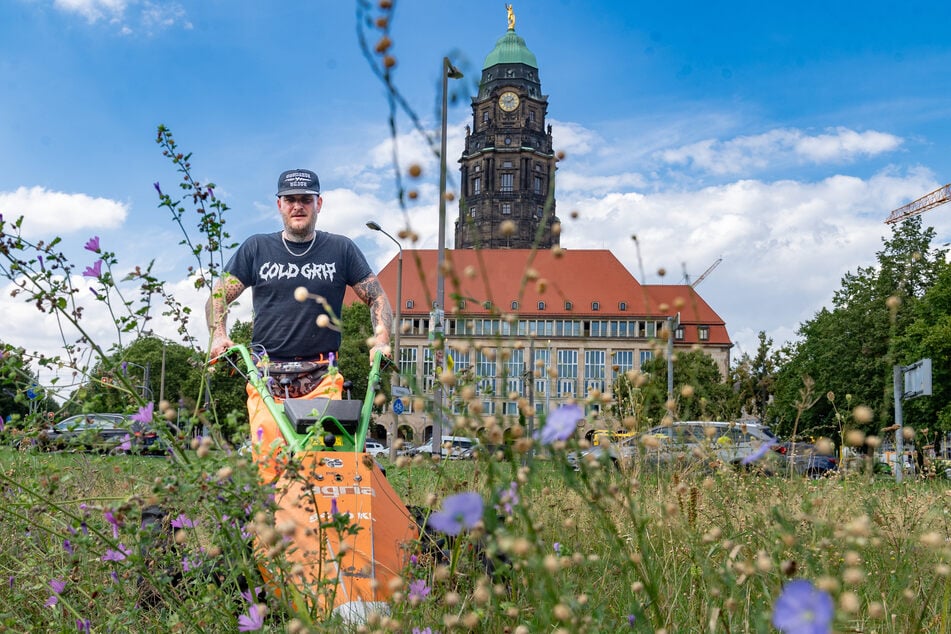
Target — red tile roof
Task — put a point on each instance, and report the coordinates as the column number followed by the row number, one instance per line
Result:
column 581, row 277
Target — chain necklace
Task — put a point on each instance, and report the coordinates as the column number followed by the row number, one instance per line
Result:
column 298, row 255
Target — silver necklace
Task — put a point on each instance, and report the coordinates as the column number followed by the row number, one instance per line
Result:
column 298, row 255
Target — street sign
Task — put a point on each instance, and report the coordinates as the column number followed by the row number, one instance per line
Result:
column 398, row 407
column 917, row 379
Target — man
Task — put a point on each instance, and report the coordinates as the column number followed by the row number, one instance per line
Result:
column 275, row 265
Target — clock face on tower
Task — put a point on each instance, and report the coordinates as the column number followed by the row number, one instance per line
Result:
column 508, row 101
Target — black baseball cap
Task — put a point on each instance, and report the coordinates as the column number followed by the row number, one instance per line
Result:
column 299, row 181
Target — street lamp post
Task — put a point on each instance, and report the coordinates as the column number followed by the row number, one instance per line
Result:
column 439, row 344
column 396, row 334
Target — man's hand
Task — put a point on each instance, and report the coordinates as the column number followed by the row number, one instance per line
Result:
column 220, row 345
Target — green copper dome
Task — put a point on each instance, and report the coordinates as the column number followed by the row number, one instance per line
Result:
column 510, row 49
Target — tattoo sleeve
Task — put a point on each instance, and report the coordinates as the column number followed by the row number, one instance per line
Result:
column 225, row 291
column 371, row 292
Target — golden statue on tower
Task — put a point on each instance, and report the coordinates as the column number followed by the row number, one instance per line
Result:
column 511, row 13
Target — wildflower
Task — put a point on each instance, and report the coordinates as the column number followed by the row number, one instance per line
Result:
column 803, row 609
column 459, row 512
column 94, row 271
column 68, row 547
column 761, row 451
column 183, row 521
column 333, row 506
column 418, row 590
column 247, row 596
column 157, row 188
column 557, row 548
column 508, row 499
column 252, row 621
column 427, row 630
column 111, row 519
column 190, row 563
column 83, row 625
column 413, row 559
column 630, row 619
column 116, row 555
column 144, row 414
column 561, row 423
column 57, row 586
column 260, row 433
column 126, row 444
column 92, row 244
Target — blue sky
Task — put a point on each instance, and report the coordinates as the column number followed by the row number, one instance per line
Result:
column 773, row 136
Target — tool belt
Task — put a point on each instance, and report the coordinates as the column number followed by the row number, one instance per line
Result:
column 295, row 379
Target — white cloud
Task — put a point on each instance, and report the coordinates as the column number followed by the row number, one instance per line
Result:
column 744, row 154
column 47, row 211
column 153, row 16
column 94, row 10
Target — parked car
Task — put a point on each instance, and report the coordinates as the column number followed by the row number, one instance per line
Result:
column 806, row 459
column 625, row 449
column 458, row 445
column 104, row 432
column 729, row 442
column 376, row 449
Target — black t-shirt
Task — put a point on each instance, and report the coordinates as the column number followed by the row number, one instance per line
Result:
column 285, row 327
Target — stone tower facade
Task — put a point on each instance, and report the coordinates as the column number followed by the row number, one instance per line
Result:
column 508, row 166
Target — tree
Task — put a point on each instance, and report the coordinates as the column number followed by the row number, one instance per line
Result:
column 354, row 354
column 755, row 378
column 847, row 353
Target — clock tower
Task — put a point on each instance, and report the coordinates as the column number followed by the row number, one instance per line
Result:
column 508, row 166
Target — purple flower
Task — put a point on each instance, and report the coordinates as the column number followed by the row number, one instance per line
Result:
column 67, row 546
column 761, row 451
column 803, row 609
column 144, row 414
column 83, row 625
column 556, row 547
column 425, row 630
column 111, row 518
column 94, row 271
column 249, row 597
column 508, row 499
column 57, row 586
column 157, row 188
column 333, row 506
column 459, row 512
column 116, row 555
column 252, row 621
column 190, row 563
column 561, row 424
column 92, row 244
column 260, row 433
column 418, row 590
column 183, row 521
column 630, row 619
column 126, row 444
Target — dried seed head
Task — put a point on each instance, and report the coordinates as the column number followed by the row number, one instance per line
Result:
column 301, row 294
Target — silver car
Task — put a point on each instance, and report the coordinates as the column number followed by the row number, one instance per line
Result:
column 729, row 442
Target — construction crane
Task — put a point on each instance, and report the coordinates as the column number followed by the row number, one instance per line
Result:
column 710, row 268
column 923, row 204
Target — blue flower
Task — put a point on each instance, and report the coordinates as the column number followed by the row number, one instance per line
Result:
column 761, row 451
column 459, row 512
column 561, row 424
column 803, row 609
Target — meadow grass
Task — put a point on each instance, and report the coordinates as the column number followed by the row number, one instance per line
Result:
column 601, row 549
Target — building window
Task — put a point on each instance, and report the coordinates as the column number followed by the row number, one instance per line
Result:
column 477, row 168
column 472, row 212
column 508, row 182
column 537, row 184
column 507, row 164
column 476, row 184
column 622, row 306
column 541, row 305
column 622, row 361
column 679, row 333
column 595, row 305
column 514, row 305
column 461, row 303
column 410, row 303
column 567, row 372
column 485, row 116
column 408, row 362
column 539, row 212
column 506, row 209
column 646, row 356
column 703, row 333
column 531, row 116
column 593, row 370
column 568, row 306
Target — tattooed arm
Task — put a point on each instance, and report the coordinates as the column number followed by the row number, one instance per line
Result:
column 225, row 291
column 371, row 293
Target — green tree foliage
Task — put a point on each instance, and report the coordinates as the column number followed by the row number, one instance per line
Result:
column 228, row 392
column 699, row 391
column 354, row 353
column 846, row 353
column 754, row 378
column 17, row 383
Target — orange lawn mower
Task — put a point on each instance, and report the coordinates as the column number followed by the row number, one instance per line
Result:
column 353, row 535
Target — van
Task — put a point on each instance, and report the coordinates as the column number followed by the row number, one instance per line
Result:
column 458, row 444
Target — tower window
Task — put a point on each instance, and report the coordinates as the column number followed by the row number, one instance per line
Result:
column 506, row 209
column 477, row 185
column 531, row 116
column 538, row 184
column 508, row 182
column 506, row 163
column 539, row 212
column 485, row 116
column 472, row 212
